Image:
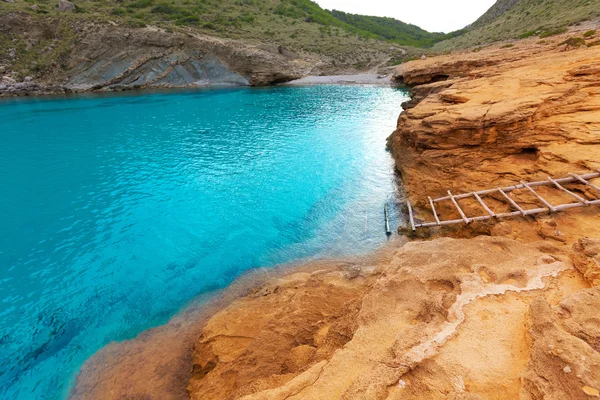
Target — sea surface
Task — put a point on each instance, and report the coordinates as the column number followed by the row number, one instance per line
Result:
column 118, row 210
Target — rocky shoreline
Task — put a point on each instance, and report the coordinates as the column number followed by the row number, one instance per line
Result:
column 11, row 88
column 503, row 311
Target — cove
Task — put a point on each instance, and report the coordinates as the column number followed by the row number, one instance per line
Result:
column 118, row 210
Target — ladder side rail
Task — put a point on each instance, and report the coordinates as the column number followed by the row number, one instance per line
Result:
column 583, row 180
column 410, row 215
column 564, row 207
column 437, row 220
column 532, row 184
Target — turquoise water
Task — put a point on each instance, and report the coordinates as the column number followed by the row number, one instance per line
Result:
column 118, row 210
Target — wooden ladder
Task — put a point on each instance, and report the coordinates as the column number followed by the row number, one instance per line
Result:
column 548, row 207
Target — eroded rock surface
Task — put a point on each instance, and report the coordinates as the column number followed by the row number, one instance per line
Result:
column 502, row 116
column 565, row 362
column 407, row 334
column 586, row 256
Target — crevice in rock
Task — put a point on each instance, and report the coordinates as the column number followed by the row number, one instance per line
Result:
column 473, row 288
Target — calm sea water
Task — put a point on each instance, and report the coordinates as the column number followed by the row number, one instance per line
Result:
column 118, row 210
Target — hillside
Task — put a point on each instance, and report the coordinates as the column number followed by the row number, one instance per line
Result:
column 257, row 19
column 392, row 30
column 38, row 37
column 513, row 19
column 495, row 11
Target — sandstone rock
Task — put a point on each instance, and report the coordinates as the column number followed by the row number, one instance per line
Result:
column 531, row 112
column 586, row 257
column 398, row 325
column 502, row 229
column 590, row 391
column 549, row 230
column 405, row 331
column 552, row 348
column 66, row 6
column 452, row 97
column 580, row 316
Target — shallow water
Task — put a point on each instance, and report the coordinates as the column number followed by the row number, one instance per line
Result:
column 118, row 210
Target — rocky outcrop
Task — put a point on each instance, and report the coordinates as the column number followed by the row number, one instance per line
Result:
column 285, row 328
column 150, row 57
column 565, row 358
column 460, row 65
column 504, row 115
column 586, row 257
column 108, row 57
column 64, row 5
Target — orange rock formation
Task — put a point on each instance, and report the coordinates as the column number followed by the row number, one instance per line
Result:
column 500, row 116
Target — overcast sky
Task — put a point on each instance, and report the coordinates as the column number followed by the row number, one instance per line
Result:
column 431, row 15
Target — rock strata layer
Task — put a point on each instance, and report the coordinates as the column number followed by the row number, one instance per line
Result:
column 107, row 57
column 499, row 116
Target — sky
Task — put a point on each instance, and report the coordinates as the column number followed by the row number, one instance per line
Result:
column 431, row 15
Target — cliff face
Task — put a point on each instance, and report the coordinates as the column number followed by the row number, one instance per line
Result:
column 107, row 57
column 501, row 116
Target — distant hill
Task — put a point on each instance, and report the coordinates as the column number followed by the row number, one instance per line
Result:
column 392, row 30
column 265, row 20
column 497, row 10
column 511, row 19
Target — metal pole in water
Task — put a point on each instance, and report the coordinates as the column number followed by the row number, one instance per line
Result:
column 387, row 220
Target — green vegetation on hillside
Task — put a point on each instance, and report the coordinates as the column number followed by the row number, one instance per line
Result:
column 393, row 30
column 253, row 19
column 509, row 19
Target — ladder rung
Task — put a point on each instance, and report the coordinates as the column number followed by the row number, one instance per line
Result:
column 561, row 187
column 485, row 207
column 540, row 198
column 462, row 214
column 512, row 202
column 437, row 220
column 410, row 216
